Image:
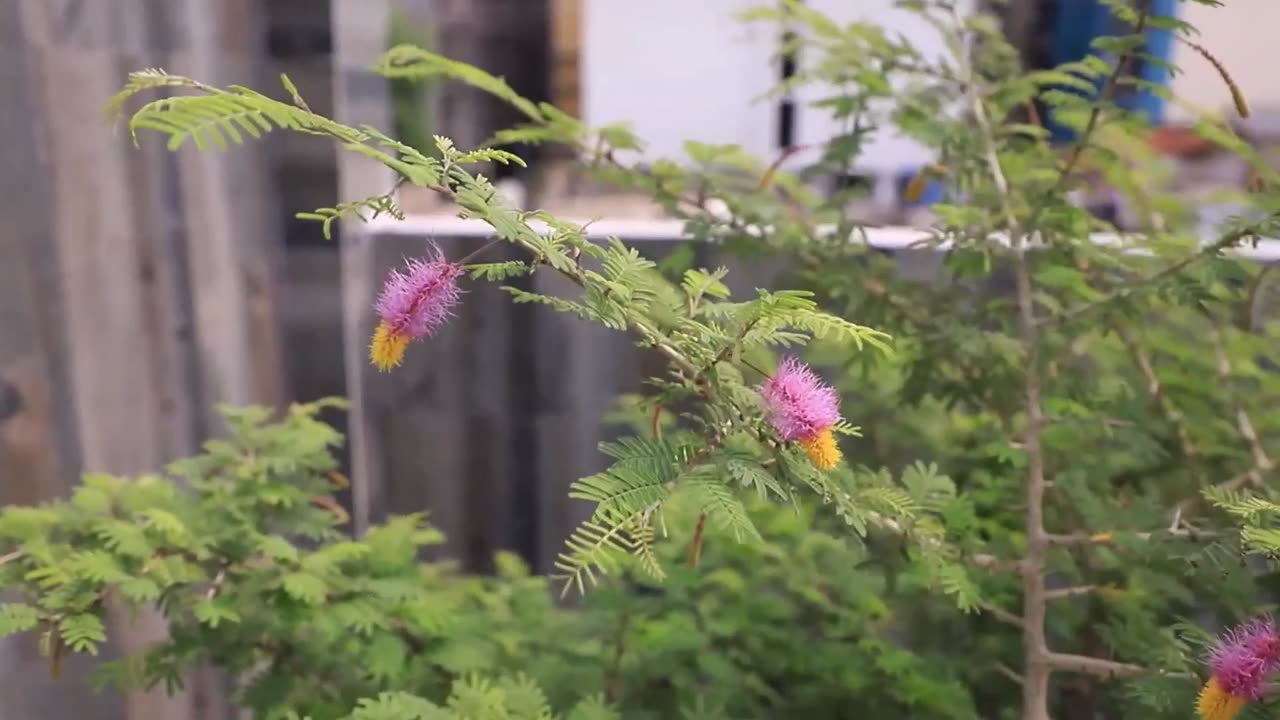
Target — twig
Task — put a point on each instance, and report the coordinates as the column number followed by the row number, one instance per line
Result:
column 695, row 547
column 1060, row 593
column 753, row 366
column 655, row 421
column 984, row 561
column 216, row 586
column 1106, row 669
column 641, row 326
column 1155, row 389
column 1261, row 461
column 1249, row 477
column 1009, row 672
column 1237, row 95
column 11, row 556
column 1004, row 616
column 1108, row 537
column 767, row 178
column 476, row 253
column 613, row 676
column 1230, row 239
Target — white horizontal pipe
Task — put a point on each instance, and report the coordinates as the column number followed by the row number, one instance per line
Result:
column 882, row 238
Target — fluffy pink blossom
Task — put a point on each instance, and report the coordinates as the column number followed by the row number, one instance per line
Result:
column 1242, row 659
column 419, row 300
column 798, row 404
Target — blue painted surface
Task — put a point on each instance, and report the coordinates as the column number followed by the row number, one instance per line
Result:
column 1078, row 22
column 931, row 193
column 1159, row 45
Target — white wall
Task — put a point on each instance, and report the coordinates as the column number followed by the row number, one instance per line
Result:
column 678, row 70
column 1242, row 35
column 687, row 69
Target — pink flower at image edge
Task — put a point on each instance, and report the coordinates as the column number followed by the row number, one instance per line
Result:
column 1239, row 664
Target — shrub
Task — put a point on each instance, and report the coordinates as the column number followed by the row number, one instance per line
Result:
column 241, row 549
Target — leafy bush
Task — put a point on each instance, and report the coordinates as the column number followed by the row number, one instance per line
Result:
column 241, row 549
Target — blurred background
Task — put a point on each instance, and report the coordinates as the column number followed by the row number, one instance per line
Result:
column 139, row 287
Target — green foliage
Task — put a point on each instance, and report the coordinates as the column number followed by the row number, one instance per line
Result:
column 241, row 551
column 1076, row 402
column 695, row 326
column 1257, row 515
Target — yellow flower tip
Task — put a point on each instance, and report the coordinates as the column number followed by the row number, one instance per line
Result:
column 822, row 449
column 1215, row 703
column 386, row 350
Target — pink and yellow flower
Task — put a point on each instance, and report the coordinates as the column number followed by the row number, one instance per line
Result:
column 801, row 408
column 1239, row 664
column 413, row 304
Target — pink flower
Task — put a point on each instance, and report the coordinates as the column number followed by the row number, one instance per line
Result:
column 1242, row 659
column 413, row 304
column 803, row 409
column 420, row 300
column 797, row 403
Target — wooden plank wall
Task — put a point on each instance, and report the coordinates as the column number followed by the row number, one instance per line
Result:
column 566, row 55
column 137, row 286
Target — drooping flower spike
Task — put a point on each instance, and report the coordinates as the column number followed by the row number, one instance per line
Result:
column 414, row 303
column 1239, row 664
column 801, row 408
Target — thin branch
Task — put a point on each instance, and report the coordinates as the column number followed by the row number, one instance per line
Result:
column 1009, row 672
column 1108, row 537
column 1261, row 461
column 1251, row 310
column 1067, row 592
column 216, row 586
column 12, row 556
column 477, row 252
column 695, row 547
column 1249, row 477
column 980, row 560
column 1228, row 240
column 655, row 421
column 641, row 326
column 1105, row 669
column 1155, row 389
column 613, row 676
column 1005, row 616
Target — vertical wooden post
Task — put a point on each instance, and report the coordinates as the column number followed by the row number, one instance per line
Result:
column 136, row 302
column 566, row 53
column 39, row 449
column 359, row 96
column 235, row 237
